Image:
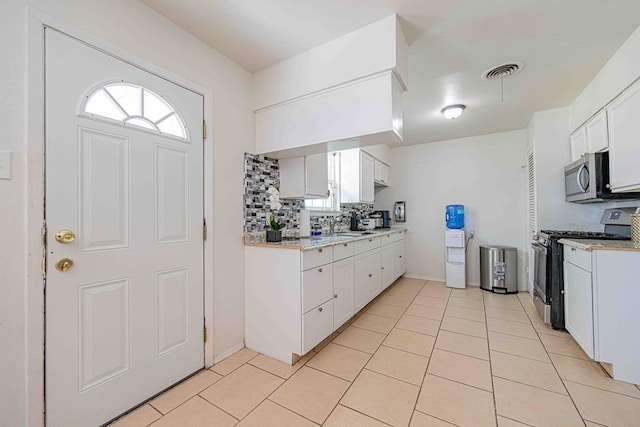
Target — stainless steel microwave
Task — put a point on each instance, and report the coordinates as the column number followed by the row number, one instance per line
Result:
column 587, row 180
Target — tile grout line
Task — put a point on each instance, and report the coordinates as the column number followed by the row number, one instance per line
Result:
column 371, row 356
column 426, row 371
column 556, row 370
column 493, row 385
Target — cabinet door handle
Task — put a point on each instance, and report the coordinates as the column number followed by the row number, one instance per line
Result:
column 335, row 295
column 371, row 240
column 382, row 268
column 573, row 249
column 320, row 309
column 400, row 256
column 319, row 270
column 320, row 250
column 345, row 245
column 370, row 275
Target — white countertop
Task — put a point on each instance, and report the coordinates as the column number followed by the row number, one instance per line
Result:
column 601, row 245
column 318, row 241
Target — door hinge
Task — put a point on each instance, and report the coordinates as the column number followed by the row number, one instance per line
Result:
column 204, row 333
column 204, row 229
column 204, row 130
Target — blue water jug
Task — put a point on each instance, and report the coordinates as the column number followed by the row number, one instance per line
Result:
column 454, row 215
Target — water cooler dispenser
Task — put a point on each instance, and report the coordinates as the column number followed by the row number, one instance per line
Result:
column 455, row 247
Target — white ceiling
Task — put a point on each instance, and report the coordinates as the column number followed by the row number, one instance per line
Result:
column 562, row 43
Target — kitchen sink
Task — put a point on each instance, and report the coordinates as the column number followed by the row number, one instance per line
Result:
column 355, row 233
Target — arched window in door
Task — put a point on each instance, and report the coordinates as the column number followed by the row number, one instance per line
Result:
column 133, row 105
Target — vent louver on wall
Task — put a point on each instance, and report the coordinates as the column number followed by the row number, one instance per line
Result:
column 531, row 196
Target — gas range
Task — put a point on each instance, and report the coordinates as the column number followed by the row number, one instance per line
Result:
column 548, row 281
column 544, row 237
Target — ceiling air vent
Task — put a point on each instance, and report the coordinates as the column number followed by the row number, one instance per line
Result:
column 503, row 71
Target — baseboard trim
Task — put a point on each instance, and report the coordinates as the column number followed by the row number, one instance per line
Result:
column 219, row 358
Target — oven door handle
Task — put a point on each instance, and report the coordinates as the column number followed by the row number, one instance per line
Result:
column 538, row 247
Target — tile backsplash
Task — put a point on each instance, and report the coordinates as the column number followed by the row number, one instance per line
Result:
column 262, row 172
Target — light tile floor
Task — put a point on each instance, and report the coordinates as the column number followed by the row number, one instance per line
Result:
column 418, row 355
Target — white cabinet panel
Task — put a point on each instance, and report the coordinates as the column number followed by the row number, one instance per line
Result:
column 316, row 326
column 343, row 250
column 316, row 257
column 596, row 132
column 343, row 286
column 399, row 261
column 578, row 257
column 316, row 286
column 624, row 151
column 578, row 306
column 304, row 177
column 357, row 170
column 367, row 244
column 578, row 144
column 367, row 178
column 381, row 173
column 386, row 269
column 367, row 277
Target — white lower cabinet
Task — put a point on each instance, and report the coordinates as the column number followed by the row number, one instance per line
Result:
column 386, row 270
column 295, row 299
column 601, row 306
column 578, row 306
column 367, row 277
column 317, row 324
column 343, row 291
column 399, row 260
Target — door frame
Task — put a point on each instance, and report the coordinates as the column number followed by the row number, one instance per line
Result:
column 35, row 195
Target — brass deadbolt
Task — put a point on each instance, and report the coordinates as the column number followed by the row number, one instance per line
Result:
column 64, row 264
column 65, row 236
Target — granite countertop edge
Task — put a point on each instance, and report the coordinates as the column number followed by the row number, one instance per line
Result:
column 601, row 245
column 305, row 244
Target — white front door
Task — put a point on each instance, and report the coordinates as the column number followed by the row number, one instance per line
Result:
column 126, row 319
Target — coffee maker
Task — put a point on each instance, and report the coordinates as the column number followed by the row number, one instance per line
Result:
column 382, row 219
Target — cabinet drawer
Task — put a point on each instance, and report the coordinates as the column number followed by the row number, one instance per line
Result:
column 577, row 257
column 387, row 239
column 317, row 286
column 342, row 251
column 316, row 257
column 367, row 245
column 316, row 326
column 397, row 236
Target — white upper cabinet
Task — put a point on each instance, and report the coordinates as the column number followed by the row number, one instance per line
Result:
column 304, row 177
column 590, row 138
column 357, row 176
column 596, row 133
column 578, row 144
column 381, row 173
column 348, row 89
column 624, row 141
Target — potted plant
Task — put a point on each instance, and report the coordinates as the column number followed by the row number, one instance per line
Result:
column 274, row 228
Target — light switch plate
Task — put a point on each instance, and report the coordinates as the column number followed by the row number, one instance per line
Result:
column 5, row 164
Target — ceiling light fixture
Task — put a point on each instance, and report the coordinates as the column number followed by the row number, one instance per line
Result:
column 453, row 111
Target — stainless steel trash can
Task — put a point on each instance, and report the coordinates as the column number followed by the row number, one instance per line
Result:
column 499, row 269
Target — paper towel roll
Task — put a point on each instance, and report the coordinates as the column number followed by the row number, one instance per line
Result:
column 305, row 223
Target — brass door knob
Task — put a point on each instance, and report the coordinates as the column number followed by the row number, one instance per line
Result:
column 64, row 264
column 65, row 236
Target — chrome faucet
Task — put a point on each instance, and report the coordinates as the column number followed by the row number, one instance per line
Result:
column 332, row 224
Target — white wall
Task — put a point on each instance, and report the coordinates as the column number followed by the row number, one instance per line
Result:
column 134, row 27
column 619, row 72
column 485, row 173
